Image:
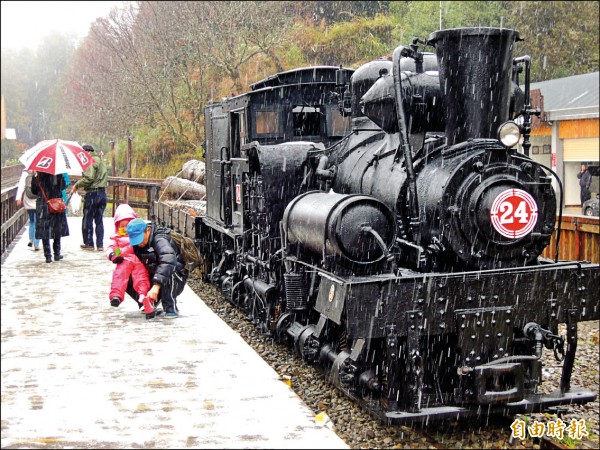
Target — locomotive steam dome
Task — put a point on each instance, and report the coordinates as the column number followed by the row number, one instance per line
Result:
column 420, row 94
column 362, row 80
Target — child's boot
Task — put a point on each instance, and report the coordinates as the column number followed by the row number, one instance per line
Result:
column 148, row 306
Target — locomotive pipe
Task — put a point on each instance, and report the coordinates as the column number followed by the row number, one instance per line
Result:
column 569, row 362
column 254, row 260
column 323, row 174
column 387, row 255
column 407, row 151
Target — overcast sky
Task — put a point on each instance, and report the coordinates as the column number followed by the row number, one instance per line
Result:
column 25, row 23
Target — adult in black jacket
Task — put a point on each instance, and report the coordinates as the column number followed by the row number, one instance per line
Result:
column 157, row 251
column 585, row 181
column 49, row 226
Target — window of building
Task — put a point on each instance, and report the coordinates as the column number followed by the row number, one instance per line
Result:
column 547, row 150
column 535, row 150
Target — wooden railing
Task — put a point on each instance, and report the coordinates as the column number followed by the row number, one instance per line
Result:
column 14, row 218
column 139, row 193
column 10, row 175
column 579, row 240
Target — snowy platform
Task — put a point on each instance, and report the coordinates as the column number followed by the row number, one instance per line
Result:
column 77, row 373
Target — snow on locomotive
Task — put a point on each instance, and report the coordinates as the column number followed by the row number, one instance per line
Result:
column 382, row 222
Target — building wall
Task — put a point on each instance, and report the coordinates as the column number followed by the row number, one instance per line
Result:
column 581, row 144
column 575, row 142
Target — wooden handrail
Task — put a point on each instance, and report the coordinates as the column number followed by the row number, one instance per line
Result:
column 14, row 218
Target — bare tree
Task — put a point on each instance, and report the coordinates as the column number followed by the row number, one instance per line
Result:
column 234, row 32
column 149, row 62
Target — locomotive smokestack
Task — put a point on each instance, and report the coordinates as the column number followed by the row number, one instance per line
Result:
column 475, row 73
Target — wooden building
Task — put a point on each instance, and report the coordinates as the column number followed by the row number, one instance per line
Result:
column 567, row 133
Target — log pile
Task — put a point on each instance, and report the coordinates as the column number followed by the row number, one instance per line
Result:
column 187, row 191
column 194, row 170
column 191, row 207
column 175, row 188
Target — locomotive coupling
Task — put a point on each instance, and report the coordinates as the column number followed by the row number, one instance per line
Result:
column 544, row 337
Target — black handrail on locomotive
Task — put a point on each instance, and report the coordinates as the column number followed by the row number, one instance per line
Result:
column 560, row 203
column 225, row 209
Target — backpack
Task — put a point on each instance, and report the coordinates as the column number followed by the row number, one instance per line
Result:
column 188, row 250
column 28, row 191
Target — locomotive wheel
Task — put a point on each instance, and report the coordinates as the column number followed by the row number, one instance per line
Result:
column 283, row 323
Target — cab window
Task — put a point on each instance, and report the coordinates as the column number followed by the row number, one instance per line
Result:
column 268, row 123
column 307, row 120
column 337, row 125
column 239, row 134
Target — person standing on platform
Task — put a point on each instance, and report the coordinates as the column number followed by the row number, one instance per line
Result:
column 49, row 225
column 26, row 199
column 585, row 181
column 94, row 181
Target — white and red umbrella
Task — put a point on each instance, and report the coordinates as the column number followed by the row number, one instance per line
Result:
column 56, row 156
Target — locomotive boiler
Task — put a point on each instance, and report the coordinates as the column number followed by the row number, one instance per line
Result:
column 382, row 223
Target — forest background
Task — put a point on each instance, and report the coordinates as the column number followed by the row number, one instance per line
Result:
column 147, row 70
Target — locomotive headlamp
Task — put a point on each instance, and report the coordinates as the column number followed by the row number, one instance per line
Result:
column 509, row 134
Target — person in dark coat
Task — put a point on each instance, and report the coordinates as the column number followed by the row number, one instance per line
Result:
column 49, row 226
column 156, row 249
column 585, row 181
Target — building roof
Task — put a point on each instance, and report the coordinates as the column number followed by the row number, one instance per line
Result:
column 570, row 97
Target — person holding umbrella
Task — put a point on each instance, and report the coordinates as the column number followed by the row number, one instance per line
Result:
column 94, row 181
column 49, row 225
column 49, row 159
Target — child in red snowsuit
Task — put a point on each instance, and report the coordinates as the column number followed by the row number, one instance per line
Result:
column 128, row 266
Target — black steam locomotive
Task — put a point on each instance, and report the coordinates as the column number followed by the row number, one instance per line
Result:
column 382, row 222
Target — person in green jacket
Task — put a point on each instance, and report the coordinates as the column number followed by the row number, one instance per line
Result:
column 94, row 181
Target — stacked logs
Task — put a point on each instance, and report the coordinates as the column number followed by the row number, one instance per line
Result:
column 187, row 191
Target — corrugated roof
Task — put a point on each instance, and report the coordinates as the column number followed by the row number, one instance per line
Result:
column 578, row 91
